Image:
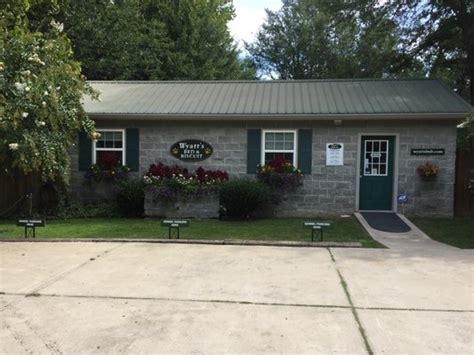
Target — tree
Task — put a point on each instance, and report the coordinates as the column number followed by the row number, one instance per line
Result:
column 314, row 39
column 441, row 34
column 114, row 40
column 41, row 88
column 153, row 39
column 465, row 138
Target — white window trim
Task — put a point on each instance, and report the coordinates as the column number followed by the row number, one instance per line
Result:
column 123, row 149
column 295, row 144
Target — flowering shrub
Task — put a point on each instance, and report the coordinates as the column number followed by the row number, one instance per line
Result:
column 428, row 171
column 280, row 174
column 108, row 167
column 42, row 90
column 168, row 181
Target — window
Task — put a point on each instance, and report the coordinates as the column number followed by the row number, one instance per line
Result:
column 279, row 144
column 376, row 153
column 109, row 149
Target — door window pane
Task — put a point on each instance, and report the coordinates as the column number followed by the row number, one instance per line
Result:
column 375, row 154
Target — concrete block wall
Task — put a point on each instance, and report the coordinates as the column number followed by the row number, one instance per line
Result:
column 329, row 189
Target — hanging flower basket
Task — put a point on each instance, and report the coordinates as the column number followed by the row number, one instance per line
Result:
column 428, row 171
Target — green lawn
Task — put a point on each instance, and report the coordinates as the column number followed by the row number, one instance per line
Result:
column 287, row 229
column 458, row 232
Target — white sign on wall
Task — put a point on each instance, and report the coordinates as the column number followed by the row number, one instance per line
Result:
column 335, row 154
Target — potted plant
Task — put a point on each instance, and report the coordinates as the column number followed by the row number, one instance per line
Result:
column 428, row 171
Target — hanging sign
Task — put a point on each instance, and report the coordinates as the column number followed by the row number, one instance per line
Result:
column 191, row 150
column 427, row 151
column 335, row 154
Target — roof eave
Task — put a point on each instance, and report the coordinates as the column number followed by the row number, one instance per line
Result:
column 455, row 116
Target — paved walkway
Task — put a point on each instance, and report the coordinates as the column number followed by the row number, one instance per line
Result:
column 77, row 298
column 414, row 241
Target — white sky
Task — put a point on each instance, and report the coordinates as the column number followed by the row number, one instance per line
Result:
column 250, row 14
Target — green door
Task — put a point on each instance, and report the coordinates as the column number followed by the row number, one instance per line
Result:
column 376, row 173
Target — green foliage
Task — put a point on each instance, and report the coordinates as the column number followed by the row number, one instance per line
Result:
column 113, row 40
column 72, row 208
column 154, row 39
column 241, row 198
column 465, row 139
column 452, row 231
column 319, row 39
column 289, row 229
column 41, row 88
column 441, row 34
column 131, row 197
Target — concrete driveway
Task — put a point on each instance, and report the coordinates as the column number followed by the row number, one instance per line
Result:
column 165, row 298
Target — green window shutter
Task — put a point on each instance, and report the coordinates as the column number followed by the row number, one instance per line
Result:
column 254, row 147
column 132, row 142
column 305, row 150
column 85, row 152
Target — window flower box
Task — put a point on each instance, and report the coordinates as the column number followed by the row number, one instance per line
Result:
column 108, row 168
column 280, row 174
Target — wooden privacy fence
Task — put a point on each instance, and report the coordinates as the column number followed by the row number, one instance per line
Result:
column 464, row 185
column 15, row 187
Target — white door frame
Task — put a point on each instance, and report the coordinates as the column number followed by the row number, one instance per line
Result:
column 395, row 166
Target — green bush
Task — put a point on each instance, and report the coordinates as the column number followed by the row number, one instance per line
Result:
column 131, row 197
column 71, row 208
column 241, row 198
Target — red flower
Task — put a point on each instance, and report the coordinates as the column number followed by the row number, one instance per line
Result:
column 161, row 170
column 108, row 160
column 201, row 174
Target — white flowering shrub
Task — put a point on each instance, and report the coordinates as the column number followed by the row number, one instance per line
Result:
column 41, row 88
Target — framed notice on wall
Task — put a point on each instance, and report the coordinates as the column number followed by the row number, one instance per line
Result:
column 335, row 154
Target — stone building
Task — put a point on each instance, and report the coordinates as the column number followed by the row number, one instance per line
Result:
column 358, row 142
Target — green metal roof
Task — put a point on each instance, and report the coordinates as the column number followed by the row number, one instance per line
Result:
column 276, row 98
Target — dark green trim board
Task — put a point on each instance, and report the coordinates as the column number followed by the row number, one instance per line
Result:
column 254, row 149
column 376, row 190
column 305, row 150
column 85, row 151
column 132, row 147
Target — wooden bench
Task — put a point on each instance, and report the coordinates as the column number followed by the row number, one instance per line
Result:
column 174, row 225
column 317, row 227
